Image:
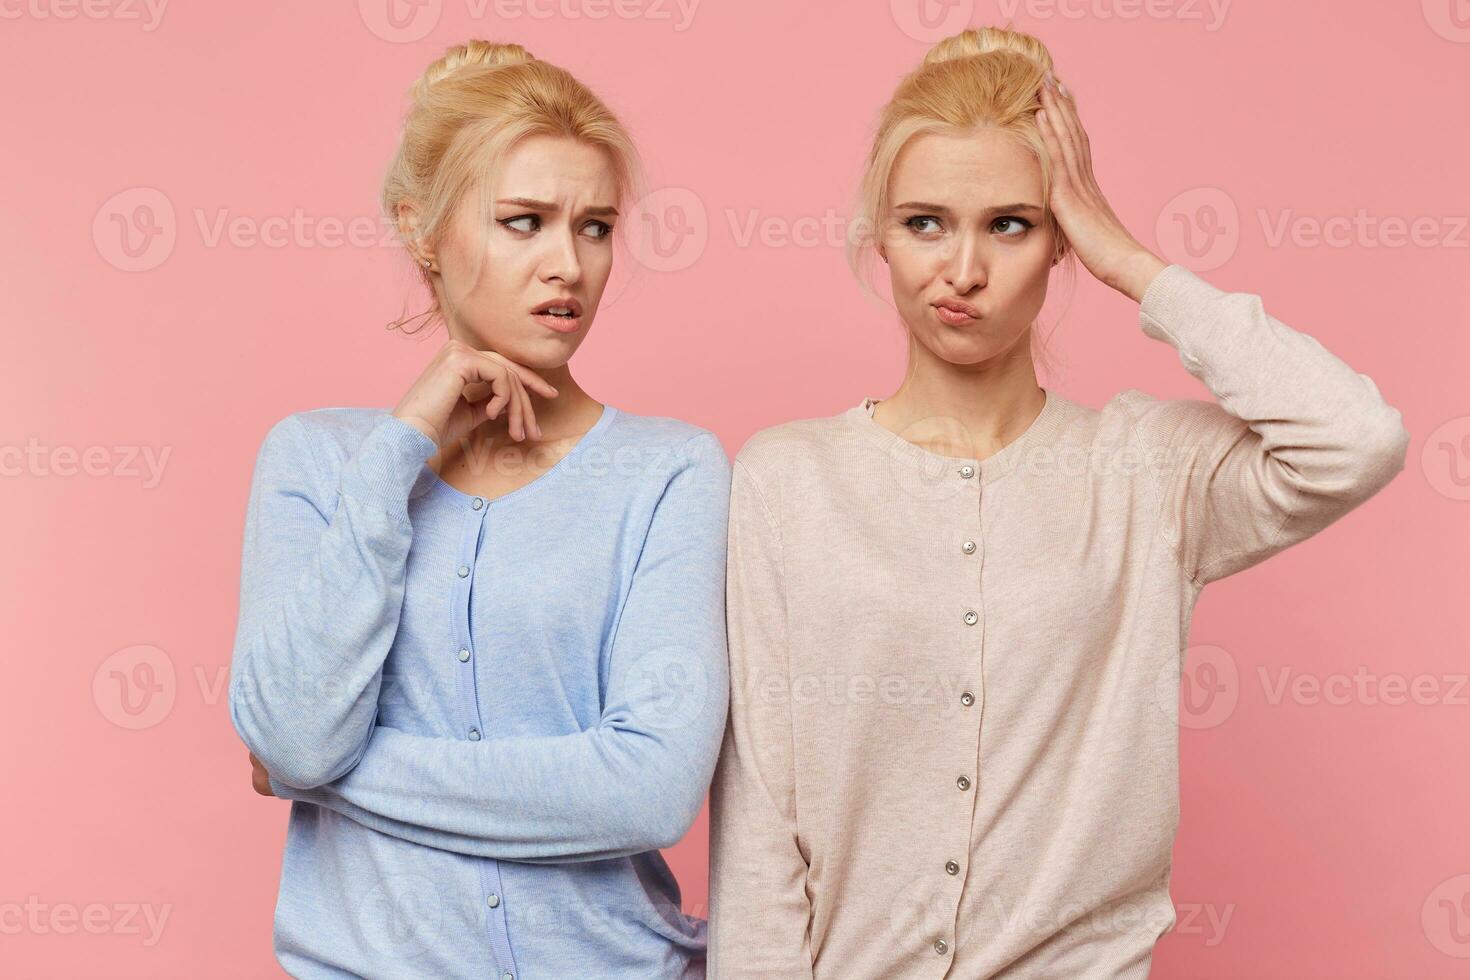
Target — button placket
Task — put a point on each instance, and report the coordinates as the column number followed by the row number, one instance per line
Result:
column 470, row 723
column 969, row 693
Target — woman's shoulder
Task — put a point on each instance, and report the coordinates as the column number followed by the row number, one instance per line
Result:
column 306, row 449
column 326, row 433
column 798, row 441
column 665, row 437
column 337, row 423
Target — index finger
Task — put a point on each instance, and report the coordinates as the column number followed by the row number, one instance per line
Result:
column 526, row 375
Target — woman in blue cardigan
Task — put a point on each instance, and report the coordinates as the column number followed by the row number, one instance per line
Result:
column 481, row 641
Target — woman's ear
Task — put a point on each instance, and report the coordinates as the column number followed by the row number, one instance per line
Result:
column 408, row 228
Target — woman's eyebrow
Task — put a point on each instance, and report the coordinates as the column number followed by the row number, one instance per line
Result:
column 941, row 209
column 601, row 210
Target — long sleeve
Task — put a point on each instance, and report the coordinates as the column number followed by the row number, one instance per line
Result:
column 321, row 589
column 1296, row 440
column 759, row 911
column 634, row 782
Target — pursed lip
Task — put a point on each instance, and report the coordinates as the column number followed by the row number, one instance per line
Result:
column 958, row 306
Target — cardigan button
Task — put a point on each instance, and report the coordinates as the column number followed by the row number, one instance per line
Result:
column 968, row 547
column 941, row 947
column 967, row 699
column 474, row 734
column 952, row 867
column 464, row 655
column 963, row 783
column 966, row 472
column 493, row 901
column 970, row 618
column 477, row 503
column 464, row 570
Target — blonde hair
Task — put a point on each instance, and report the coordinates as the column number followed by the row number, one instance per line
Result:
column 989, row 76
column 468, row 109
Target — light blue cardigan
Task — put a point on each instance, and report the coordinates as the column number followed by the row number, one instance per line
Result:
column 490, row 714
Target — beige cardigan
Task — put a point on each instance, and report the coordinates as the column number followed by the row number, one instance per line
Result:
column 952, row 743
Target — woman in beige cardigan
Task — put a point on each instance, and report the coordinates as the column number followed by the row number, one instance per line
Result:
column 957, row 615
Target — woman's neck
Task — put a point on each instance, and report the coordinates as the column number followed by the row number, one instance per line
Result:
column 963, row 410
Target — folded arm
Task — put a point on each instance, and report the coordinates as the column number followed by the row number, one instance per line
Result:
column 321, row 588
column 635, row 781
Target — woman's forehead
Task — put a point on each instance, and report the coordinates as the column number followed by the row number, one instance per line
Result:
column 980, row 167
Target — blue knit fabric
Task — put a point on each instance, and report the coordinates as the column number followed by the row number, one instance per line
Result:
column 489, row 714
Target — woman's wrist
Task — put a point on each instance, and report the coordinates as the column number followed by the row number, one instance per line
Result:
column 1134, row 275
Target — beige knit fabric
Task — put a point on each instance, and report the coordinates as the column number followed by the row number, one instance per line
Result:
column 952, row 744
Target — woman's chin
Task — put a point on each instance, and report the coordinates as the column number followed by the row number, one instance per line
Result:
column 538, row 349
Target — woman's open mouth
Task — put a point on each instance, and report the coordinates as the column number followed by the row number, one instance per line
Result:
column 561, row 315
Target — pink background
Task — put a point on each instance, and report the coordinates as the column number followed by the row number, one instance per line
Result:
column 1322, row 835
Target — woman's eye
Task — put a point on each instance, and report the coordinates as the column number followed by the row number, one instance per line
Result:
column 916, row 223
column 599, row 229
column 1022, row 223
column 515, row 224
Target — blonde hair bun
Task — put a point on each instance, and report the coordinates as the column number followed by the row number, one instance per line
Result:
column 983, row 40
column 472, row 54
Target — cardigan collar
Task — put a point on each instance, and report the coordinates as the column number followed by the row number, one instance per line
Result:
column 1042, row 432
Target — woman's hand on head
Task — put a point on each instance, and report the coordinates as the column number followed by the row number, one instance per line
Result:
column 1094, row 232
column 260, row 779
column 462, row 387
